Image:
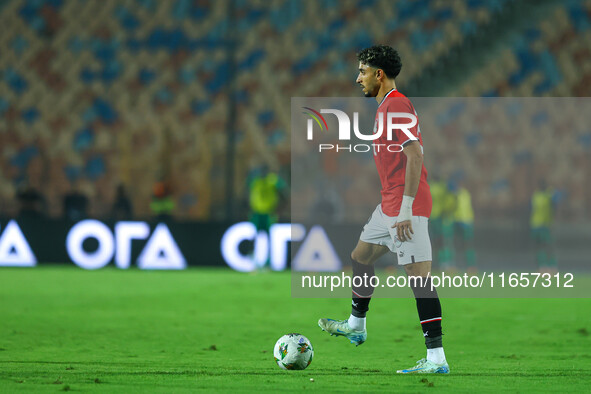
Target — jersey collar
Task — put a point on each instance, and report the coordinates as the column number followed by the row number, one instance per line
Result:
column 386, row 96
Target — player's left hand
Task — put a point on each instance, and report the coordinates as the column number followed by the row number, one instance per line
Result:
column 403, row 230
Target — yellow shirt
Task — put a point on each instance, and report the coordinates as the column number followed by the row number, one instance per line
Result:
column 464, row 212
column 438, row 192
column 264, row 194
column 541, row 212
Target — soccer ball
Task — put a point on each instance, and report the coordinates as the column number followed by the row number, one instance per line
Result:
column 293, row 351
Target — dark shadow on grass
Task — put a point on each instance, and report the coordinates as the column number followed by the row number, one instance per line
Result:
column 584, row 373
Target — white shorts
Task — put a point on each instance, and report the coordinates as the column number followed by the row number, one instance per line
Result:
column 379, row 231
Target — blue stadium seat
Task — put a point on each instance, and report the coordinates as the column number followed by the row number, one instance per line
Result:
column 4, row 105
column 83, row 139
column 30, row 115
column 15, row 81
column 95, row 168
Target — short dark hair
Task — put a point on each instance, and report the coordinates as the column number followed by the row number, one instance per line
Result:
column 383, row 57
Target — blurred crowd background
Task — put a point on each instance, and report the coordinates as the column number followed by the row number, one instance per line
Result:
column 137, row 108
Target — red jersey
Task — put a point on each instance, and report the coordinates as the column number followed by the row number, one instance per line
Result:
column 391, row 164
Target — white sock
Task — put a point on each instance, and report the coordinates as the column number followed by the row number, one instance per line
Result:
column 436, row 355
column 357, row 323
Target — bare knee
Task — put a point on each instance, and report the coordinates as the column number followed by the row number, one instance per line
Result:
column 367, row 253
column 361, row 257
column 422, row 268
column 356, row 256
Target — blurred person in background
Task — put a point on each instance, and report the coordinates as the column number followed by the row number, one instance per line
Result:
column 543, row 203
column 328, row 207
column 447, row 253
column 266, row 192
column 464, row 220
column 122, row 208
column 75, row 203
column 162, row 205
column 438, row 193
column 31, row 203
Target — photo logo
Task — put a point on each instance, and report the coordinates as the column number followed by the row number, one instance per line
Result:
column 315, row 115
column 392, row 122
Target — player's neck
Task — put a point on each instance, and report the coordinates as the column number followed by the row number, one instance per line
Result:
column 384, row 89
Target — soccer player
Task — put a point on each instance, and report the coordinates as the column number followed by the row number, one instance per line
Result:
column 464, row 218
column 400, row 223
column 543, row 202
column 266, row 193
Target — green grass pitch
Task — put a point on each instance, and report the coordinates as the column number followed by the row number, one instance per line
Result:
column 63, row 328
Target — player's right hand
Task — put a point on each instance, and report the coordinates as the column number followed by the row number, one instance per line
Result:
column 403, row 230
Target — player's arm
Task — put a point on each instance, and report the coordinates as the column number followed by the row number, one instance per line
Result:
column 414, row 165
column 412, row 177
